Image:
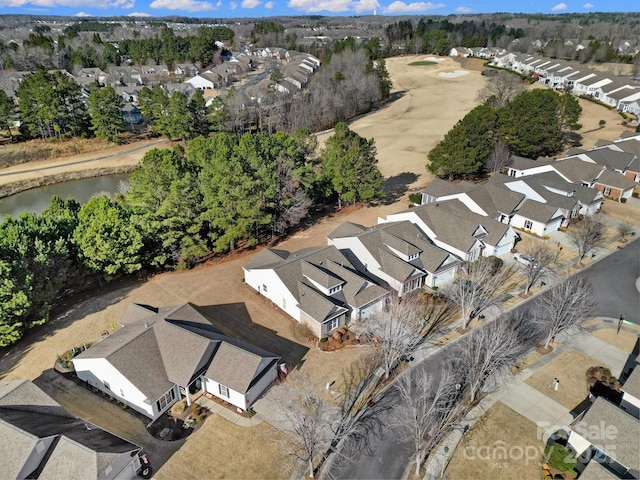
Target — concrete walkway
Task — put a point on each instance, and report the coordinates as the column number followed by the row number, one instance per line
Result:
column 532, row 404
column 229, row 414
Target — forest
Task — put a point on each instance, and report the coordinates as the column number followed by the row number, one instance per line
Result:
column 179, row 208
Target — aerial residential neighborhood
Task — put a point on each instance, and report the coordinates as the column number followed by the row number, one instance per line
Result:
column 384, row 245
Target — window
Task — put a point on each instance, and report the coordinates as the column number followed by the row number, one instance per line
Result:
column 165, row 400
column 264, row 288
column 528, row 224
column 224, row 391
column 335, row 289
column 284, row 303
column 607, row 190
column 332, row 325
column 106, row 385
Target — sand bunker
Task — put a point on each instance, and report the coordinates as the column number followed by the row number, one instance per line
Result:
column 454, row 74
column 434, row 59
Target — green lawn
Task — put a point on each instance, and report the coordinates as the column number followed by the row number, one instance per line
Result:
column 422, row 63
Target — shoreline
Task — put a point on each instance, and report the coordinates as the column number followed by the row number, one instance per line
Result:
column 20, row 186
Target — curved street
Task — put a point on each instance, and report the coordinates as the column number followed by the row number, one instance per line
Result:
column 614, row 280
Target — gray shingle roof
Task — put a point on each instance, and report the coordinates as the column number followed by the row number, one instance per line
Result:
column 630, row 145
column 627, row 432
column 28, row 416
column 537, row 211
column 616, row 180
column 228, row 357
column 347, row 229
column 438, row 188
column 577, row 170
column 632, row 385
column 595, row 471
column 171, row 345
column 611, row 159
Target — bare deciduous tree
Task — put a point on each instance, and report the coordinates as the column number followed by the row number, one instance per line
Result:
column 486, row 353
column 498, row 158
column 586, row 235
column 500, row 89
column 624, row 229
column 395, row 330
column 428, row 410
column 565, row 305
column 308, row 417
column 539, row 269
column 478, row 286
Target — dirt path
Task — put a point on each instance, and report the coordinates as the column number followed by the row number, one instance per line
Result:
column 124, row 155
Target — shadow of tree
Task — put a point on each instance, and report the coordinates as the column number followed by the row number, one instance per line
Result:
column 396, row 186
column 73, row 308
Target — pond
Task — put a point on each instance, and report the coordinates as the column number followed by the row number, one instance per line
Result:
column 37, row 200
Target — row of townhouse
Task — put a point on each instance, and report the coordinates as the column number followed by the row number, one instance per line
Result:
column 613, row 168
column 352, row 277
column 576, row 78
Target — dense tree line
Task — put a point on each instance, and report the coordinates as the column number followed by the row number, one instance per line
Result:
column 349, row 84
column 180, row 206
column 86, row 45
column 532, row 124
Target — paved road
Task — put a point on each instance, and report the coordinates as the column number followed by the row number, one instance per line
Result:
column 614, row 283
column 614, row 280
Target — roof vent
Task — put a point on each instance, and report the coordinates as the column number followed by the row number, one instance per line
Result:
column 146, row 324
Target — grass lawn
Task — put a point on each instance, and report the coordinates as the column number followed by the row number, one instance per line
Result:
column 625, row 340
column 422, row 63
column 220, row 449
column 570, row 368
column 501, row 445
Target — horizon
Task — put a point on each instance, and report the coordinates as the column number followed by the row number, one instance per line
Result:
column 297, row 8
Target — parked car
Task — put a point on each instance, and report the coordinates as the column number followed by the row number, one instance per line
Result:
column 526, row 259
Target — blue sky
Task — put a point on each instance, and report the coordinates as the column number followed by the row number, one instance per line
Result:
column 266, row 8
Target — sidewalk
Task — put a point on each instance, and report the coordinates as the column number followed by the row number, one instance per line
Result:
column 228, row 414
column 529, row 402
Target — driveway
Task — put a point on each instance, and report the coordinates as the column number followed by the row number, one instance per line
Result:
column 106, row 415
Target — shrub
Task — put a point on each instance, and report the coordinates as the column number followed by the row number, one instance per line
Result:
column 623, row 200
column 179, row 407
column 415, row 198
column 635, row 194
column 324, row 340
column 559, row 457
column 602, row 123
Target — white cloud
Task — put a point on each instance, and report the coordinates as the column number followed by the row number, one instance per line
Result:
column 464, row 10
column 219, row 4
column 401, row 7
column 250, row 3
column 559, row 7
column 335, row 6
column 139, row 14
column 83, row 14
column 67, row 3
column 268, row 5
column 233, row 5
column 187, row 5
column 588, row 5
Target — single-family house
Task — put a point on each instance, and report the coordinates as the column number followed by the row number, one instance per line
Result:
column 40, row 439
column 608, row 435
column 537, row 217
column 317, row 286
column 587, row 173
column 161, row 354
column 615, row 160
column 131, row 114
column 521, row 167
column 395, row 255
column 630, row 104
column 612, row 96
column 460, row 52
column 488, row 200
column 451, row 226
column 548, row 188
column 580, row 84
column 205, row 80
column 631, row 393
